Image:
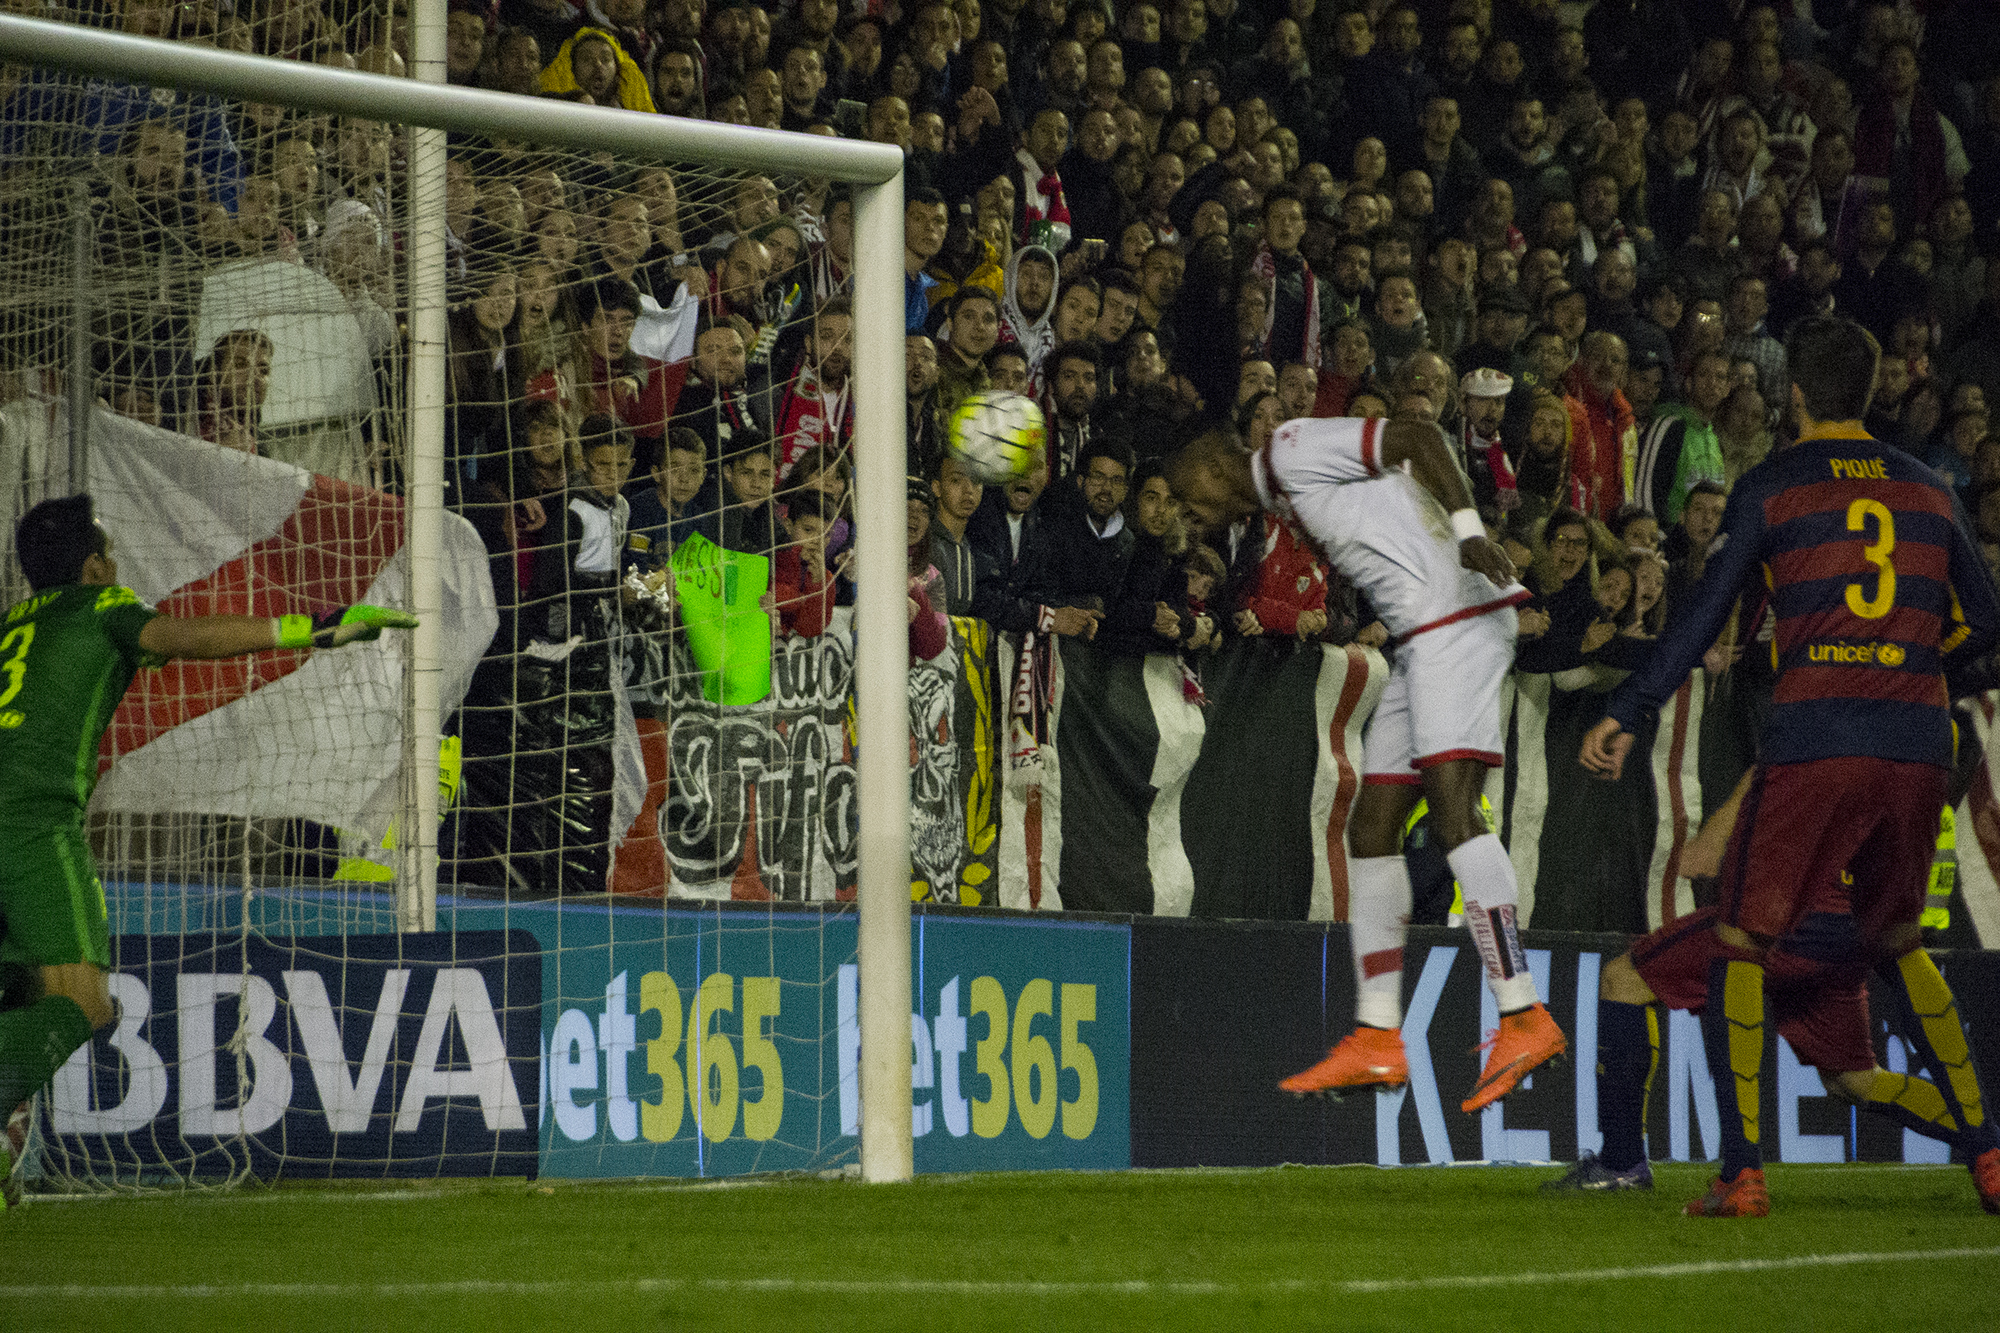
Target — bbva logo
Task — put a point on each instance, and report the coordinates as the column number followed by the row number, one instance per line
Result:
column 268, row 1071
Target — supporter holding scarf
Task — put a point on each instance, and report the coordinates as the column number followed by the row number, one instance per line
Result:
column 1900, row 141
column 816, row 410
column 1044, row 212
column 1291, row 319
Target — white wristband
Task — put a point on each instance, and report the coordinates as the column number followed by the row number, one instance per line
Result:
column 1466, row 524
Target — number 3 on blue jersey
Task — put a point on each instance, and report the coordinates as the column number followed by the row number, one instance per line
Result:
column 1876, row 554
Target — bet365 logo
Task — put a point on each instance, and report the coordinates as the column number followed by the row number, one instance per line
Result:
column 1028, row 1053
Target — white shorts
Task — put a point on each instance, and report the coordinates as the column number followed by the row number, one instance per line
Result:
column 1442, row 701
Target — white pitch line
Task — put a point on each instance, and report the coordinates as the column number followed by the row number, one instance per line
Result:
column 692, row 1185
column 950, row 1287
column 1697, row 1268
column 413, row 1194
column 234, row 1197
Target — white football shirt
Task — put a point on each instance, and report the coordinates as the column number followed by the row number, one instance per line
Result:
column 1380, row 528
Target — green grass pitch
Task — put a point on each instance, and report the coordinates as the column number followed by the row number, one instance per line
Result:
column 1854, row 1247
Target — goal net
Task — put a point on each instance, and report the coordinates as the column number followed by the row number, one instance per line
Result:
column 209, row 317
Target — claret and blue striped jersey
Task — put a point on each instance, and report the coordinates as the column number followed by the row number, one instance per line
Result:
column 1877, row 585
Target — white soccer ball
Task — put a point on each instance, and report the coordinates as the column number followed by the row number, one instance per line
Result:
column 996, row 435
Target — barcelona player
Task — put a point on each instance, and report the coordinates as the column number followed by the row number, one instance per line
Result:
column 1817, row 995
column 67, row 654
column 1879, row 593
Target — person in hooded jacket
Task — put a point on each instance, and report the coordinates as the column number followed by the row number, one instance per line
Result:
column 1028, row 307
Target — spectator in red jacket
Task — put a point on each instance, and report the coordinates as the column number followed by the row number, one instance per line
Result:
column 605, row 375
column 1607, row 434
column 1289, row 594
column 929, row 634
column 1351, row 355
column 805, row 581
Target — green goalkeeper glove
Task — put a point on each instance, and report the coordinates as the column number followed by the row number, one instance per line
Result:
column 343, row 625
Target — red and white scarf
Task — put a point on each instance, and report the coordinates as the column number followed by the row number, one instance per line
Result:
column 1265, row 266
column 1472, row 444
column 810, row 416
column 1042, row 200
column 1032, row 697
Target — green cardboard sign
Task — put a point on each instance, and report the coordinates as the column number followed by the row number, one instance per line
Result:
column 728, row 632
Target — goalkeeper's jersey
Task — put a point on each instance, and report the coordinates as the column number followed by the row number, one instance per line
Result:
column 66, row 656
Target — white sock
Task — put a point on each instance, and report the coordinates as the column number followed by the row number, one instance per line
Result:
column 1378, row 917
column 1486, row 878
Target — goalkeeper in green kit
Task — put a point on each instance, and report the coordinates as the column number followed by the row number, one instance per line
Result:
column 67, row 654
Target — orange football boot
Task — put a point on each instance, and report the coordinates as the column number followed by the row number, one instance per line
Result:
column 1744, row 1196
column 1365, row 1058
column 1986, row 1175
column 1525, row 1041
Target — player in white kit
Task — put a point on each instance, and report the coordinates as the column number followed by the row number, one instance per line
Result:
column 1391, row 510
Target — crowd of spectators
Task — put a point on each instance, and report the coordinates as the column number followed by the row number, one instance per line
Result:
column 1573, row 236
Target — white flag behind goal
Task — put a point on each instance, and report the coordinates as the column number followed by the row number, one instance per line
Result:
column 200, row 528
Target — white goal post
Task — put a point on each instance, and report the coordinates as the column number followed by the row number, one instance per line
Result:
column 882, row 660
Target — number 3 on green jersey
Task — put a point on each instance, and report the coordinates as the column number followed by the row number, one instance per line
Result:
column 14, row 670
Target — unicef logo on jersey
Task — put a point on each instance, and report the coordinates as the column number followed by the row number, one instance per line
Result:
column 1857, row 654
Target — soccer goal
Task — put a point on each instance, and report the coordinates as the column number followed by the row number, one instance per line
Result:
column 311, row 336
